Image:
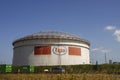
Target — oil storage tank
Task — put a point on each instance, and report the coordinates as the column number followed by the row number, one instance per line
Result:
column 49, row 48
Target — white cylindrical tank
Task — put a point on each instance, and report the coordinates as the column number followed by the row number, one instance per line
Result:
column 50, row 48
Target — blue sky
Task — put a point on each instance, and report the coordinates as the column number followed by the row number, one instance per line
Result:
column 95, row 20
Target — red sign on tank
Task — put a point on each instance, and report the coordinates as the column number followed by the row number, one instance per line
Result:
column 42, row 50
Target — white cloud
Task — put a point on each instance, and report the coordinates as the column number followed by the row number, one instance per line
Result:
column 96, row 49
column 110, row 28
column 100, row 49
column 117, row 35
column 106, row 51
column 116, row 32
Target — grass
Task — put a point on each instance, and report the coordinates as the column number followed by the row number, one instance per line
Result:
column 83, row 76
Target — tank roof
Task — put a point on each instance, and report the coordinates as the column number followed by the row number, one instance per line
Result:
column 52, row 35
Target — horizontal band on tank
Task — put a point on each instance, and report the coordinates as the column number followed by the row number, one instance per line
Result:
column 83, row 41
column 51, row 45
column 50, row 42
column 54, row 44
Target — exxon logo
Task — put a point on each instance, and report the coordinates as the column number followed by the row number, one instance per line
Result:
column 59, row 50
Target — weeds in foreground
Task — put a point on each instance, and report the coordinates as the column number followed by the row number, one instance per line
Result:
column 59, row 77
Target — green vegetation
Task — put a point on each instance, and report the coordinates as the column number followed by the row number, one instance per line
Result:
column 23, row 69
column 5, row 68
column 76, row 69
column 105, row 68
column 76, row 72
